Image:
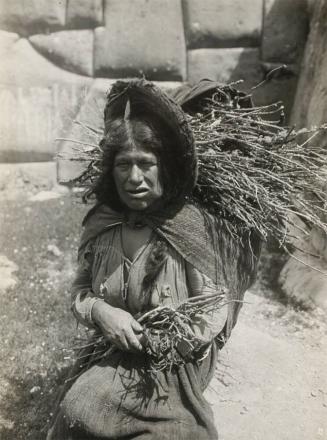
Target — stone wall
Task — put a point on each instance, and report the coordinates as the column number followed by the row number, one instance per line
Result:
column 60, row 56
column 310, row 109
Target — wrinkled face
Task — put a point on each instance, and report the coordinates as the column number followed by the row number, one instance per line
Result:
column 137, row 177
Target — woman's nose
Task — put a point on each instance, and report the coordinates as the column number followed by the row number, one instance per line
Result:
column 136, row 175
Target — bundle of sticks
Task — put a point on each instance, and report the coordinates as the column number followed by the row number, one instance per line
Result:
column 169, row 339
column 253, row 172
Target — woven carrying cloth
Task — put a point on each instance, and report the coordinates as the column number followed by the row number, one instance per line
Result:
column 204, row 242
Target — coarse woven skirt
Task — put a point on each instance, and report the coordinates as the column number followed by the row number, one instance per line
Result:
column 117, row 398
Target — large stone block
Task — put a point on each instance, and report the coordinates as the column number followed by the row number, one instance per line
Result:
column 37, row 101
column 32, row 16
column 222, row 23
column 310, row 109
column 141, row 38
column 225, row 65
column 285, row 29
column 302, row 282
column 84, row 13
column 33, row 117
column 25, row 67
column 71, row 50
column 310, row 104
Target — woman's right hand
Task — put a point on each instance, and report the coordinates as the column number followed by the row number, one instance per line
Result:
column 118, row 326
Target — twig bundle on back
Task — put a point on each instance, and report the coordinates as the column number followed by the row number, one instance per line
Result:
column 252, row 171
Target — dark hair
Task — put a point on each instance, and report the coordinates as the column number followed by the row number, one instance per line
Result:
column 144, row 132
column 141, row 131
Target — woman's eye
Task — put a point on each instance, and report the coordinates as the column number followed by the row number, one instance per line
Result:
column 122, row 165
column 147, row 163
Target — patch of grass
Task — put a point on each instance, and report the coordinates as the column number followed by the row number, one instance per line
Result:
column 36, row 323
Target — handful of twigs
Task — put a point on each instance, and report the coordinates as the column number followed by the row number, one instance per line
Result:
column 169, row 340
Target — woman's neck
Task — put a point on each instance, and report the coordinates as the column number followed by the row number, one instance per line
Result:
column 135, row 219
column 133, row 239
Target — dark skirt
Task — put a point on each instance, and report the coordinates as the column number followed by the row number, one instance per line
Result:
column 118, row 398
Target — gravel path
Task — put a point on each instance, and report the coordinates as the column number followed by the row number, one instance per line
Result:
column 272, row 384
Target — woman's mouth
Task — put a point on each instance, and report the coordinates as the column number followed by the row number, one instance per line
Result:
column 137, row 193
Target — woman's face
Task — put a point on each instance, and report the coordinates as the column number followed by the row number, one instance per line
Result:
column 137, row 177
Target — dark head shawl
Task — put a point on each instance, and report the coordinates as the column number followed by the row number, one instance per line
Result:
column 147, row 99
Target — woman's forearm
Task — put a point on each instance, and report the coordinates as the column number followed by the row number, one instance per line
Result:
column 82, row 295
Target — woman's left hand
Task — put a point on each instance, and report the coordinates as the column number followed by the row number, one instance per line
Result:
column 118, row 326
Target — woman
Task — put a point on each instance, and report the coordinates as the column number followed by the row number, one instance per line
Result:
column 145, row 244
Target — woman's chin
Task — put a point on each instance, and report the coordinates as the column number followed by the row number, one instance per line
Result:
column 137, row 204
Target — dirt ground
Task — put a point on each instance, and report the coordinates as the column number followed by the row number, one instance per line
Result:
column 270, row 383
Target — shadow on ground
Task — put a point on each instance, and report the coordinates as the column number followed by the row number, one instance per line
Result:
column 28, row 404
